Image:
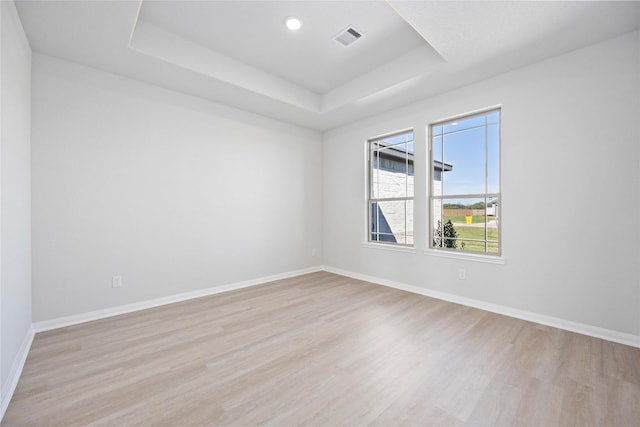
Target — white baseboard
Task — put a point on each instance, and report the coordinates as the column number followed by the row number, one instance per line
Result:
column 580, row 328
column 16, row 371
column 62, row 322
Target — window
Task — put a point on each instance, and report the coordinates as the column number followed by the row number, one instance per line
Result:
column 390, row 195
column 465, row 184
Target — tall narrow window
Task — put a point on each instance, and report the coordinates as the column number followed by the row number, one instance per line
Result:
column 390, row 199
column 465, row 184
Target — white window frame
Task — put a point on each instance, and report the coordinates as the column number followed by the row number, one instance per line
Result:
column 403, row 247
column 459, row 253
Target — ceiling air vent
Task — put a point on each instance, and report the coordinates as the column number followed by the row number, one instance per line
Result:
column 348, row 36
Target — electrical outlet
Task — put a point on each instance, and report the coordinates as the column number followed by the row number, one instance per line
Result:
column 462, row 274
column 116, row 282
column 313, row 252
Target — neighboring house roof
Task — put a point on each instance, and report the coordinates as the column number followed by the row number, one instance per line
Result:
column 391, row 152
column 439, row 166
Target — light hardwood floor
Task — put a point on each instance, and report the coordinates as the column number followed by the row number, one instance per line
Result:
column 326, row 350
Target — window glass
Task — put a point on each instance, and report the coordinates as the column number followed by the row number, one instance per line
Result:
column 391, row 189
column 465, row 184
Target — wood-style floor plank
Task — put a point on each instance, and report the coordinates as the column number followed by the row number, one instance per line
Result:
column 319, row 350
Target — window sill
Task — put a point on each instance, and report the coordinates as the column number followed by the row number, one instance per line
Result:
column 487, row 259
column 388, row 247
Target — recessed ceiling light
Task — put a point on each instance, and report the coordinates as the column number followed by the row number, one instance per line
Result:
column 293, row 23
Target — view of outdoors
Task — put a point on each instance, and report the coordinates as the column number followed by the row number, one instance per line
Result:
column 465, row 185
column 391, row 189
column 465, row 195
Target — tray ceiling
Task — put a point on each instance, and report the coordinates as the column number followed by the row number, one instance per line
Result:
column 239, row 53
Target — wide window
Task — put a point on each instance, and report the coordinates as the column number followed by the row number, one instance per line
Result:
column 390, row 195
column 465, row 184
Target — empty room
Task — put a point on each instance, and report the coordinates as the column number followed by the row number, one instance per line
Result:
column 328, row 213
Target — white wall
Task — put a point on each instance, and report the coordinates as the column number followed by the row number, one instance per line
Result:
column 174, row 193
column 15, row 200
column 570, row 141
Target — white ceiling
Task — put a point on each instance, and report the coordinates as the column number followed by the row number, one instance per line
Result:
column 239, row 53
column 310, row 58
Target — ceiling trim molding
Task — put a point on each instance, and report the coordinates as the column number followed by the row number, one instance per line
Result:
column 153, row 41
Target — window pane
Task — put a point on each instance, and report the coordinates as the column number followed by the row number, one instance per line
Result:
column 467, row 224
column 470, row 245
column 493, row 209
column 380, row 229
column 437, row 173
column 493, row 226
column 465, row 184
column 436, row 148
column 442, row 229
column 463, row 124
column 409, row 222
column 493, row 159
column 392, row 222
column 390, row 173
column 458, row 210
column 436, row 211
column 374, row 162
column 402, row 138
column 464, row 152
column 410, row 182
column 442, row 236
column 391, row 160
column 493, row 248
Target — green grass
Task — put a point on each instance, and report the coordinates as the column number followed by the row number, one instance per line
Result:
column 476, row 233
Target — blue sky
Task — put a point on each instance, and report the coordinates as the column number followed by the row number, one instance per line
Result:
column 465, row 149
